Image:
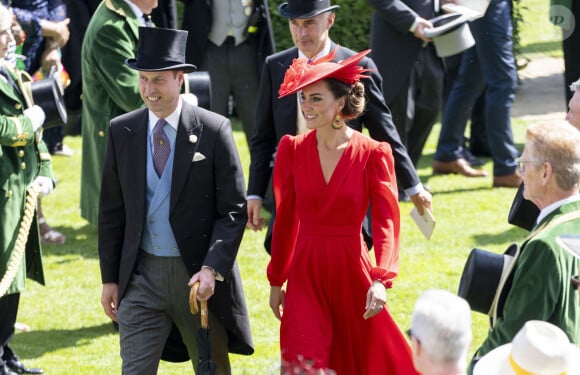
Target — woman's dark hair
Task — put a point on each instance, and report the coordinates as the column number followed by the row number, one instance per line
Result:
column 355, row 101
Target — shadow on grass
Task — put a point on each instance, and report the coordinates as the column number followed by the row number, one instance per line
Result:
column 37, row 342
column 81, row 241
column 514, row 234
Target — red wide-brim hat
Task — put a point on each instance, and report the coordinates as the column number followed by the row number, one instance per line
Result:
column 302, row 73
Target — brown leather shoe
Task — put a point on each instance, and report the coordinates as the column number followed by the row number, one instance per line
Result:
column 510, row 180
column 459, row 166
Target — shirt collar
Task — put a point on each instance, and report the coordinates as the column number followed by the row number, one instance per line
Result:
column 551, row 208
column 138, row 12
column 325, row 51
column 172, row 119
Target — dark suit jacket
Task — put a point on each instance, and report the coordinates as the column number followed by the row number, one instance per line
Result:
column 391, row 21
column 277, row 117
column 207, row 208
column 198, row 19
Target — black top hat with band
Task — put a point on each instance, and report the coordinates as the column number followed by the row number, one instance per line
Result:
column 161, row 49
column 305, row 8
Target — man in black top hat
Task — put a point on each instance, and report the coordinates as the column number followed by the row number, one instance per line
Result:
column 172, row 190
column 310, row 22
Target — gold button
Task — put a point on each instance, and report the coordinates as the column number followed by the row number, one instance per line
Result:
column 101, row 133
column 17, row 105
column 23, row 165
column 21, row 153
column 9, row 193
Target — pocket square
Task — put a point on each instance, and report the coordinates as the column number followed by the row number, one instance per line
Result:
column 198, row 156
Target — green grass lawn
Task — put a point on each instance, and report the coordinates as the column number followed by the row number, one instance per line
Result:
column 71, row 335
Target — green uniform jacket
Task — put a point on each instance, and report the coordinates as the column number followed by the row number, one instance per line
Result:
column 541, row 288
column 110, row 88
column 22, row 159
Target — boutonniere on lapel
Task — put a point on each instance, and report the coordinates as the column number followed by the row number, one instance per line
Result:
column 192, row 138
column 198, row 156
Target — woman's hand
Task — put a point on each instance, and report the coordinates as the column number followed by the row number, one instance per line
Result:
column 277, row 297
column 376, row 299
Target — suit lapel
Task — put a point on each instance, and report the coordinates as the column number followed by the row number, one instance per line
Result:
column 136, row 149
column 189, row 133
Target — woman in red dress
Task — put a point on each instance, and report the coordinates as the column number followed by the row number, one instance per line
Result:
column 333, row 309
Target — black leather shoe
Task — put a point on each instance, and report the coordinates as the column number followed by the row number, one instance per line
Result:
column 4, row 370
column 18, row 367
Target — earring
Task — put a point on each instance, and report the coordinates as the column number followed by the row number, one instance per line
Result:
column 336, row 124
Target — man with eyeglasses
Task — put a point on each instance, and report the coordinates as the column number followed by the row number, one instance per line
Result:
column 540, row 279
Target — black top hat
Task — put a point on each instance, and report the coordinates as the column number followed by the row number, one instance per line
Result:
column 486, row 279
column 48, row 95
column 305, row 8
column 161, row 49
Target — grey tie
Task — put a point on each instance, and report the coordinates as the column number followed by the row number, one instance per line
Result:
column 161, row 147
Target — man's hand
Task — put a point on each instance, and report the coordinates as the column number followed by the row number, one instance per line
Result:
column 206, row 280
column 43, row 185
column 36, row 116
column 110, row 299
column 421, row 200
column 419, row 32
column 255, row 222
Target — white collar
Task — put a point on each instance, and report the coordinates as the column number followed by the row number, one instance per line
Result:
column 552, row 207
column 138, row 12
column 172, row 119
column 325, row 51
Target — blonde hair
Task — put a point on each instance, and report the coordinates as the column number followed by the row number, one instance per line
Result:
column 559, row 144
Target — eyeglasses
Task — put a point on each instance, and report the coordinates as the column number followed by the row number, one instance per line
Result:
column 521, row 164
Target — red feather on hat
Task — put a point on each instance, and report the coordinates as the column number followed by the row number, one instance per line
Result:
column 301, row 74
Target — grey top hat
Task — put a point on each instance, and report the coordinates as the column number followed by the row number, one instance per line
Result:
column 305, row 8
column 451, row 34
column 161, row 49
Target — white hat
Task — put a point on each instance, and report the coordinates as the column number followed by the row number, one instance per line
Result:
column 451, row 34
column 539, row 348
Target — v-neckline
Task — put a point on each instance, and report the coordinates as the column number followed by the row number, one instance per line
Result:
column 338, row 164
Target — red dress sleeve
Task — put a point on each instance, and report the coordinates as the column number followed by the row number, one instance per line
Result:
column 386, row 220
column 286, row 224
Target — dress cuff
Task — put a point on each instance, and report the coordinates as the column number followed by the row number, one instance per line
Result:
column 383, row 275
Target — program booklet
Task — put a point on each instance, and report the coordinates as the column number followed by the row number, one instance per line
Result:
column 426, row 223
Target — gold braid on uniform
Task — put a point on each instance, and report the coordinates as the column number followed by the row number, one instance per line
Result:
column 20, row 247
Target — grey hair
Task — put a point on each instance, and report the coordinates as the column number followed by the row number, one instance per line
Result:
column 575, row 85
column 442, row 324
